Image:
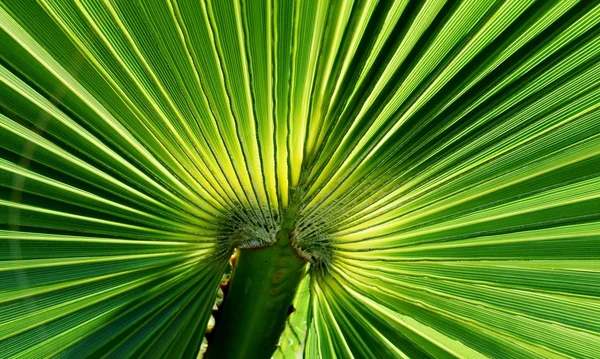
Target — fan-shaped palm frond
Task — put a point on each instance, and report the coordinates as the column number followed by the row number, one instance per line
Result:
column 433, row 166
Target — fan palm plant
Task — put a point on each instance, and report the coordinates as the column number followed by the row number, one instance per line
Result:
column 357, row 179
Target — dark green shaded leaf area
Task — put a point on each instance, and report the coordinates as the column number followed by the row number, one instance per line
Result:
column 443, row 159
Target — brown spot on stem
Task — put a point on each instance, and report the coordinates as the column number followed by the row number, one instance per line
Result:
column 277, row 277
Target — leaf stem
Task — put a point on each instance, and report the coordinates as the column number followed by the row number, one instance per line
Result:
column 263, row 286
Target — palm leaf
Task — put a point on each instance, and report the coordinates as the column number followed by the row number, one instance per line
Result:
column 443, row 158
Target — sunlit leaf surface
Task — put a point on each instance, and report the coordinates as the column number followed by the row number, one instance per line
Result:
column 447, row 154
